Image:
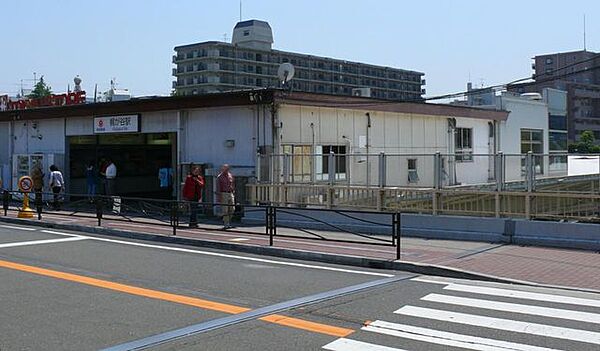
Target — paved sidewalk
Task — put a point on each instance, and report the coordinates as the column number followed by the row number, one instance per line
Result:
column 563, row 267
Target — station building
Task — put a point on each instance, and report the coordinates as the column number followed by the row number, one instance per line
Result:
column 248, row 129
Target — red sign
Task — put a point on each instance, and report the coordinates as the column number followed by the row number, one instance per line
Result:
column 75, row 98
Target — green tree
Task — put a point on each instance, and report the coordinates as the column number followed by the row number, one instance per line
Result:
column 41, row 89
column 586, row 144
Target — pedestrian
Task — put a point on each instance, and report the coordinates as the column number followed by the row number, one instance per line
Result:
column 57, row 184
column 226, row 191
column 91, row 178
column 103, row 165
column 165, row 180
column 192, row 192
column 37, row 176
column 111, row 177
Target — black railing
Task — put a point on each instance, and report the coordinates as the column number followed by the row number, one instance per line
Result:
column 313, row 224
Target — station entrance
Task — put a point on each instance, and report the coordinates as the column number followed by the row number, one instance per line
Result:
column 142, row 160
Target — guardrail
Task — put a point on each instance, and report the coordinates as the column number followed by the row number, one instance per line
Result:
column 173, row 214
column 576, row 206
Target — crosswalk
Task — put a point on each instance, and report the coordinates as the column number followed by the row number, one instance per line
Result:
column 539, row 321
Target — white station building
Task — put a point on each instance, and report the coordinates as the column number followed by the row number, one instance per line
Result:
column 239, row 128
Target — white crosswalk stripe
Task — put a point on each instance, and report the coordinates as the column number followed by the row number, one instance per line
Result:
column 502, row 324
column 523, row 295
column 344, row 344
column 449, row 339
column 525, row 307
column 515, row 308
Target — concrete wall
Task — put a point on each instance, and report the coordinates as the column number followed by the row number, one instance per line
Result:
column 498, row 230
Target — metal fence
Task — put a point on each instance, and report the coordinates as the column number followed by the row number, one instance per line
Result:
column 513, row 172
column 578, row 206
column 100, row 210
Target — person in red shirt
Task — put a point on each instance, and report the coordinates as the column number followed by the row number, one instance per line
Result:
column 192, row 192
column 226, row 190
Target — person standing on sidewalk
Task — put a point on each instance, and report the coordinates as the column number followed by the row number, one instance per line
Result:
column 57, row 184
column 226, row 191
column 91, row 177
column 192, row 192
column 111, row 178
column 37, row 176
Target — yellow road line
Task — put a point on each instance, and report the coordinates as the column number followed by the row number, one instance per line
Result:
column 181, row 299
column 306, row 325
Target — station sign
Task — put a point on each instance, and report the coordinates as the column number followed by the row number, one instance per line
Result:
column 117, row 124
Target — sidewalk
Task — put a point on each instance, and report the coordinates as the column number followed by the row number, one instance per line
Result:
column 559, row 267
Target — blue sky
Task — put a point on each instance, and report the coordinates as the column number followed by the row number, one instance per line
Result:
column 491, row 42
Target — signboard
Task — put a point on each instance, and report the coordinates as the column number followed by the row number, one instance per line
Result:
column 25, row 184
column 117, row 124
column 74, row 98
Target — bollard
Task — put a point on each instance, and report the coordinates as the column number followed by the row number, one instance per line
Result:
column 397, row 231
column 99, row 208
column 5, row 201
column 174, row 217
column 39, row 204
column 270, row 223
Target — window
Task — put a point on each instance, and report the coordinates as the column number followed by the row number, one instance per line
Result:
column 558, row 122
column 549, row 61
column 339, row 152
column 413, row 175
column 533, row 140
column 558, row 141
column 463, row 144
column 300, row 162
column 246, row 33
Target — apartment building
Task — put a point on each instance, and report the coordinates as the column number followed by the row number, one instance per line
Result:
column 250, row 62
column 577, row 73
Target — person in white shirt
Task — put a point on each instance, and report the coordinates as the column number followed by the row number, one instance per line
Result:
column 57, row 184
column 111, row 175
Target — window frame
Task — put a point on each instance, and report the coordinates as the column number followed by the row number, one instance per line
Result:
column 462, row 152
column 413, row 173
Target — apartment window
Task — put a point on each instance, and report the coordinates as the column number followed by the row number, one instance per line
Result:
column 558, row 122
column 558, row 141
column 413, row 175
column 533, row 140
column 323, row 153
column 549, row 61
column 463, row 144
column 246, row 33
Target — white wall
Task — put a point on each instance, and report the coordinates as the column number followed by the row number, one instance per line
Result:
column 392, row 133
column 524, row 114
column 475, row 171
column 204, row 132
column 45, row 136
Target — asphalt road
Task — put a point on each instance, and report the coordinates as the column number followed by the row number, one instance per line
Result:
column 74, row 291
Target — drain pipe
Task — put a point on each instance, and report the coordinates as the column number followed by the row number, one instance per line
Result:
column 367, row 147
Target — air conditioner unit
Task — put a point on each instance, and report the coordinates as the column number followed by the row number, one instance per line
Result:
column 363, row 92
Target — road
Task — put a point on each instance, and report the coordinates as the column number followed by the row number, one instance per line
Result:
column 73, row 291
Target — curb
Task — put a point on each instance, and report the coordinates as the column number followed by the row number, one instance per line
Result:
column 347, row 260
